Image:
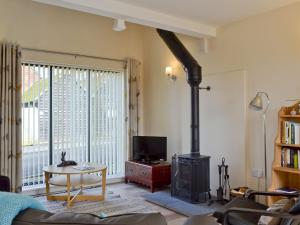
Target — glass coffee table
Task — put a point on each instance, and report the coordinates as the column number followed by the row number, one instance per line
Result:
column 70, row 177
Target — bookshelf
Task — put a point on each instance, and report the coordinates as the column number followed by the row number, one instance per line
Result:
column 290, row 116
column 286, row 170
column 288, row 145
column 284, row 176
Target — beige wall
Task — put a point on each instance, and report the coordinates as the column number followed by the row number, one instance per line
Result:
column 266, row 46
column 41, row 26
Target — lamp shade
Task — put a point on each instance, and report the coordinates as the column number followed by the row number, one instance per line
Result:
column 256, row 103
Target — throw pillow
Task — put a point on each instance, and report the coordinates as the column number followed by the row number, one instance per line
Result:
column 282, row 205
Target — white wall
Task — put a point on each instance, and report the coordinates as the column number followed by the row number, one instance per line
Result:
column 267, row 46
column 222, row 125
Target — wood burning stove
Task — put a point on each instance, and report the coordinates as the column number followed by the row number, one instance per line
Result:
column 190, row 172
column 190, row 178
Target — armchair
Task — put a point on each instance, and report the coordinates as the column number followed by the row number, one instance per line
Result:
column 290, row 219
column 238, row 210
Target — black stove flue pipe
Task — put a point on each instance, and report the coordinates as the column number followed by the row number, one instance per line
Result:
column 194, row 78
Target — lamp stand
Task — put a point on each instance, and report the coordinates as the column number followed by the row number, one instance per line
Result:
column 265, row 151
column 257, row 105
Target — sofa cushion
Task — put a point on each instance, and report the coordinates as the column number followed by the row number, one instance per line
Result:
column 201, row 219
column 242, row 219
column 282, row 205
column 31, row 216
column 127, row 219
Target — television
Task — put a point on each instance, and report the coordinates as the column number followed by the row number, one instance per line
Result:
column 149, row 149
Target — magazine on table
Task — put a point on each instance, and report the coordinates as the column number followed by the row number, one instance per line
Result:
column 83, row 167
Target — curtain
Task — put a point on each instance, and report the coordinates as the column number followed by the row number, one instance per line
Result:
column 10, row 114
column 133, row 75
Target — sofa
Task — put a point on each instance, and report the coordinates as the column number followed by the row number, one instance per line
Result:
column 39, row 217
column 229, row 215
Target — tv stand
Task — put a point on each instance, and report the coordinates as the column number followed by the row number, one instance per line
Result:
column 148, row 162
column 150, row 175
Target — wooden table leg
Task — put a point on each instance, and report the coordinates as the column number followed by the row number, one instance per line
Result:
column 47, row 176
column 103, row 182
column 68, row 191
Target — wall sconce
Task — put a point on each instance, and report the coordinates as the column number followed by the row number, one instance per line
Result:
column 169, row 73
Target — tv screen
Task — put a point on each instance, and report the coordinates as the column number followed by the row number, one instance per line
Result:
column 149, row 148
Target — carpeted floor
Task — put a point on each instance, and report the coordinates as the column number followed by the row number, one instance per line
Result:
column 120, row 198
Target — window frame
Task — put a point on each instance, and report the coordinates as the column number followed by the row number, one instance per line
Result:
column 50, row 103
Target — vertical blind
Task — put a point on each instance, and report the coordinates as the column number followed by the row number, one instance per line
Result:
column 35, row 122
column 70, row 113
column 77, row 110
column 107, row 113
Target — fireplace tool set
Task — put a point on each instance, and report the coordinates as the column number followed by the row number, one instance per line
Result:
column 223, row 192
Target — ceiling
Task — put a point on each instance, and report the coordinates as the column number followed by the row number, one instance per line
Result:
column 213, row 12
column 198, row 18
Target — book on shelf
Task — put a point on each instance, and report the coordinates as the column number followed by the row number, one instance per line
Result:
column 287, row 157
column 290, row 133
column 296, row 166
column 283, row 160
column 298, row 159
column 290, row 158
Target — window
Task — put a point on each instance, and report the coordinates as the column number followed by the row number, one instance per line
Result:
column 35, row 122
column 77, row 110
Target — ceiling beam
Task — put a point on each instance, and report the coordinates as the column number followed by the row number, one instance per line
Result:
column 138, row 15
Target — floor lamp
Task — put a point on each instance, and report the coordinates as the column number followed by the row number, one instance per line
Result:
column 258, row 105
